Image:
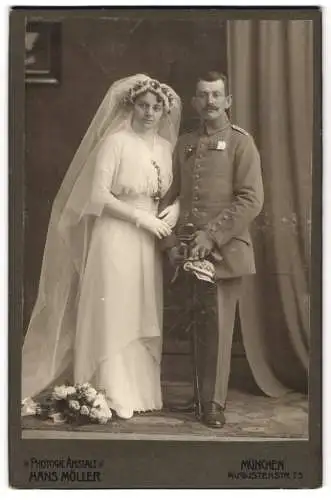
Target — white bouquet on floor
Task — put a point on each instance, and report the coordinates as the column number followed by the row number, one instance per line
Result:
column 77, row 404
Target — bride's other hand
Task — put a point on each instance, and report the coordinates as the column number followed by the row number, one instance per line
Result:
column 170, row 214
column 152, row 224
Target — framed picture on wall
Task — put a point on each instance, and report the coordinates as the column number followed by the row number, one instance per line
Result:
column 43, row 52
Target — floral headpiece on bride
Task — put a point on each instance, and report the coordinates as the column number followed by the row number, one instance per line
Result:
column 151, row 85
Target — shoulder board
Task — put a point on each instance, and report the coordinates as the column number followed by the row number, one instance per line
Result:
column 239, row 129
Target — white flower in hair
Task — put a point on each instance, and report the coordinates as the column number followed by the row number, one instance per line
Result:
column 154, row 86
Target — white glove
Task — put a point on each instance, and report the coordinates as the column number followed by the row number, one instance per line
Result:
column 170, row 214
column 152, row 224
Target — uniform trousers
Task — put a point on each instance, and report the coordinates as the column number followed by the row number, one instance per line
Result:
column 215, row 310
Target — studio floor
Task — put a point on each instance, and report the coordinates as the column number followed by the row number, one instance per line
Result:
column 249, row 417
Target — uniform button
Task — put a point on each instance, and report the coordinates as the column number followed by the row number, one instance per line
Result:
column 195, row 210
column 197, row 176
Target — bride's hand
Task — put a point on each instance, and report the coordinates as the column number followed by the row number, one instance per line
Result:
column 170, row 214
column 152, row 224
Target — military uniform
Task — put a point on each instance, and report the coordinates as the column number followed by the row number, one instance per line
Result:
column 217, row 176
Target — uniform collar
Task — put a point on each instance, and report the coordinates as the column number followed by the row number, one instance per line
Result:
column 204, row 130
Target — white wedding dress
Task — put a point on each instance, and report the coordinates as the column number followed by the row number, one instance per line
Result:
column 118, row 339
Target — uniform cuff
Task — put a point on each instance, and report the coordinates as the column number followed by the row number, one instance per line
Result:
column 219, row 227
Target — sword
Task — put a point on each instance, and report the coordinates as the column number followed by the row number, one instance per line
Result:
column 186, row 235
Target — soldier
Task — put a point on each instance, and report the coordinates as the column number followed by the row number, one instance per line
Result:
column 217, row 178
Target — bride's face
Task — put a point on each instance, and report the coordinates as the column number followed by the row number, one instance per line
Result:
column 147, row 111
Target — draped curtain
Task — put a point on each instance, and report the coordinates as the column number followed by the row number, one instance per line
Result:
column 271, row 80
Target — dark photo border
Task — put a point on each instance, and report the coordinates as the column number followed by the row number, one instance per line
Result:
column 138, row 463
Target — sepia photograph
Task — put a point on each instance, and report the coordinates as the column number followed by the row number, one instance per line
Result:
column 165, row 265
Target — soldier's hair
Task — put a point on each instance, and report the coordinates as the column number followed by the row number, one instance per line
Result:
column 213, row 76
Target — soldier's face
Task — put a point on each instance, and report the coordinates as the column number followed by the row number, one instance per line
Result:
column 211, row 100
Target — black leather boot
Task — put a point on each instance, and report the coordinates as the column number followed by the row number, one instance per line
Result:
column 213, row 415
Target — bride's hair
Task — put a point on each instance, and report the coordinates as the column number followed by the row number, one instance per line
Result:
column 161, row 91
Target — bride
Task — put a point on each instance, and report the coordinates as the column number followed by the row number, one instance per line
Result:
column 99, row 304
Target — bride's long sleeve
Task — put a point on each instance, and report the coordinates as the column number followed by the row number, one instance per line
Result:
column 102, row 200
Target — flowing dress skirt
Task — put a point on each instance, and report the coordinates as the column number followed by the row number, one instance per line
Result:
column 118, row 338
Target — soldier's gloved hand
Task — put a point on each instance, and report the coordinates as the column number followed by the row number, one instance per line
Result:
column 176, row 256
column 202, row 245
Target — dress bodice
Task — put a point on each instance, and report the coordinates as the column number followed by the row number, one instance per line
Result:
column 133, row 164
